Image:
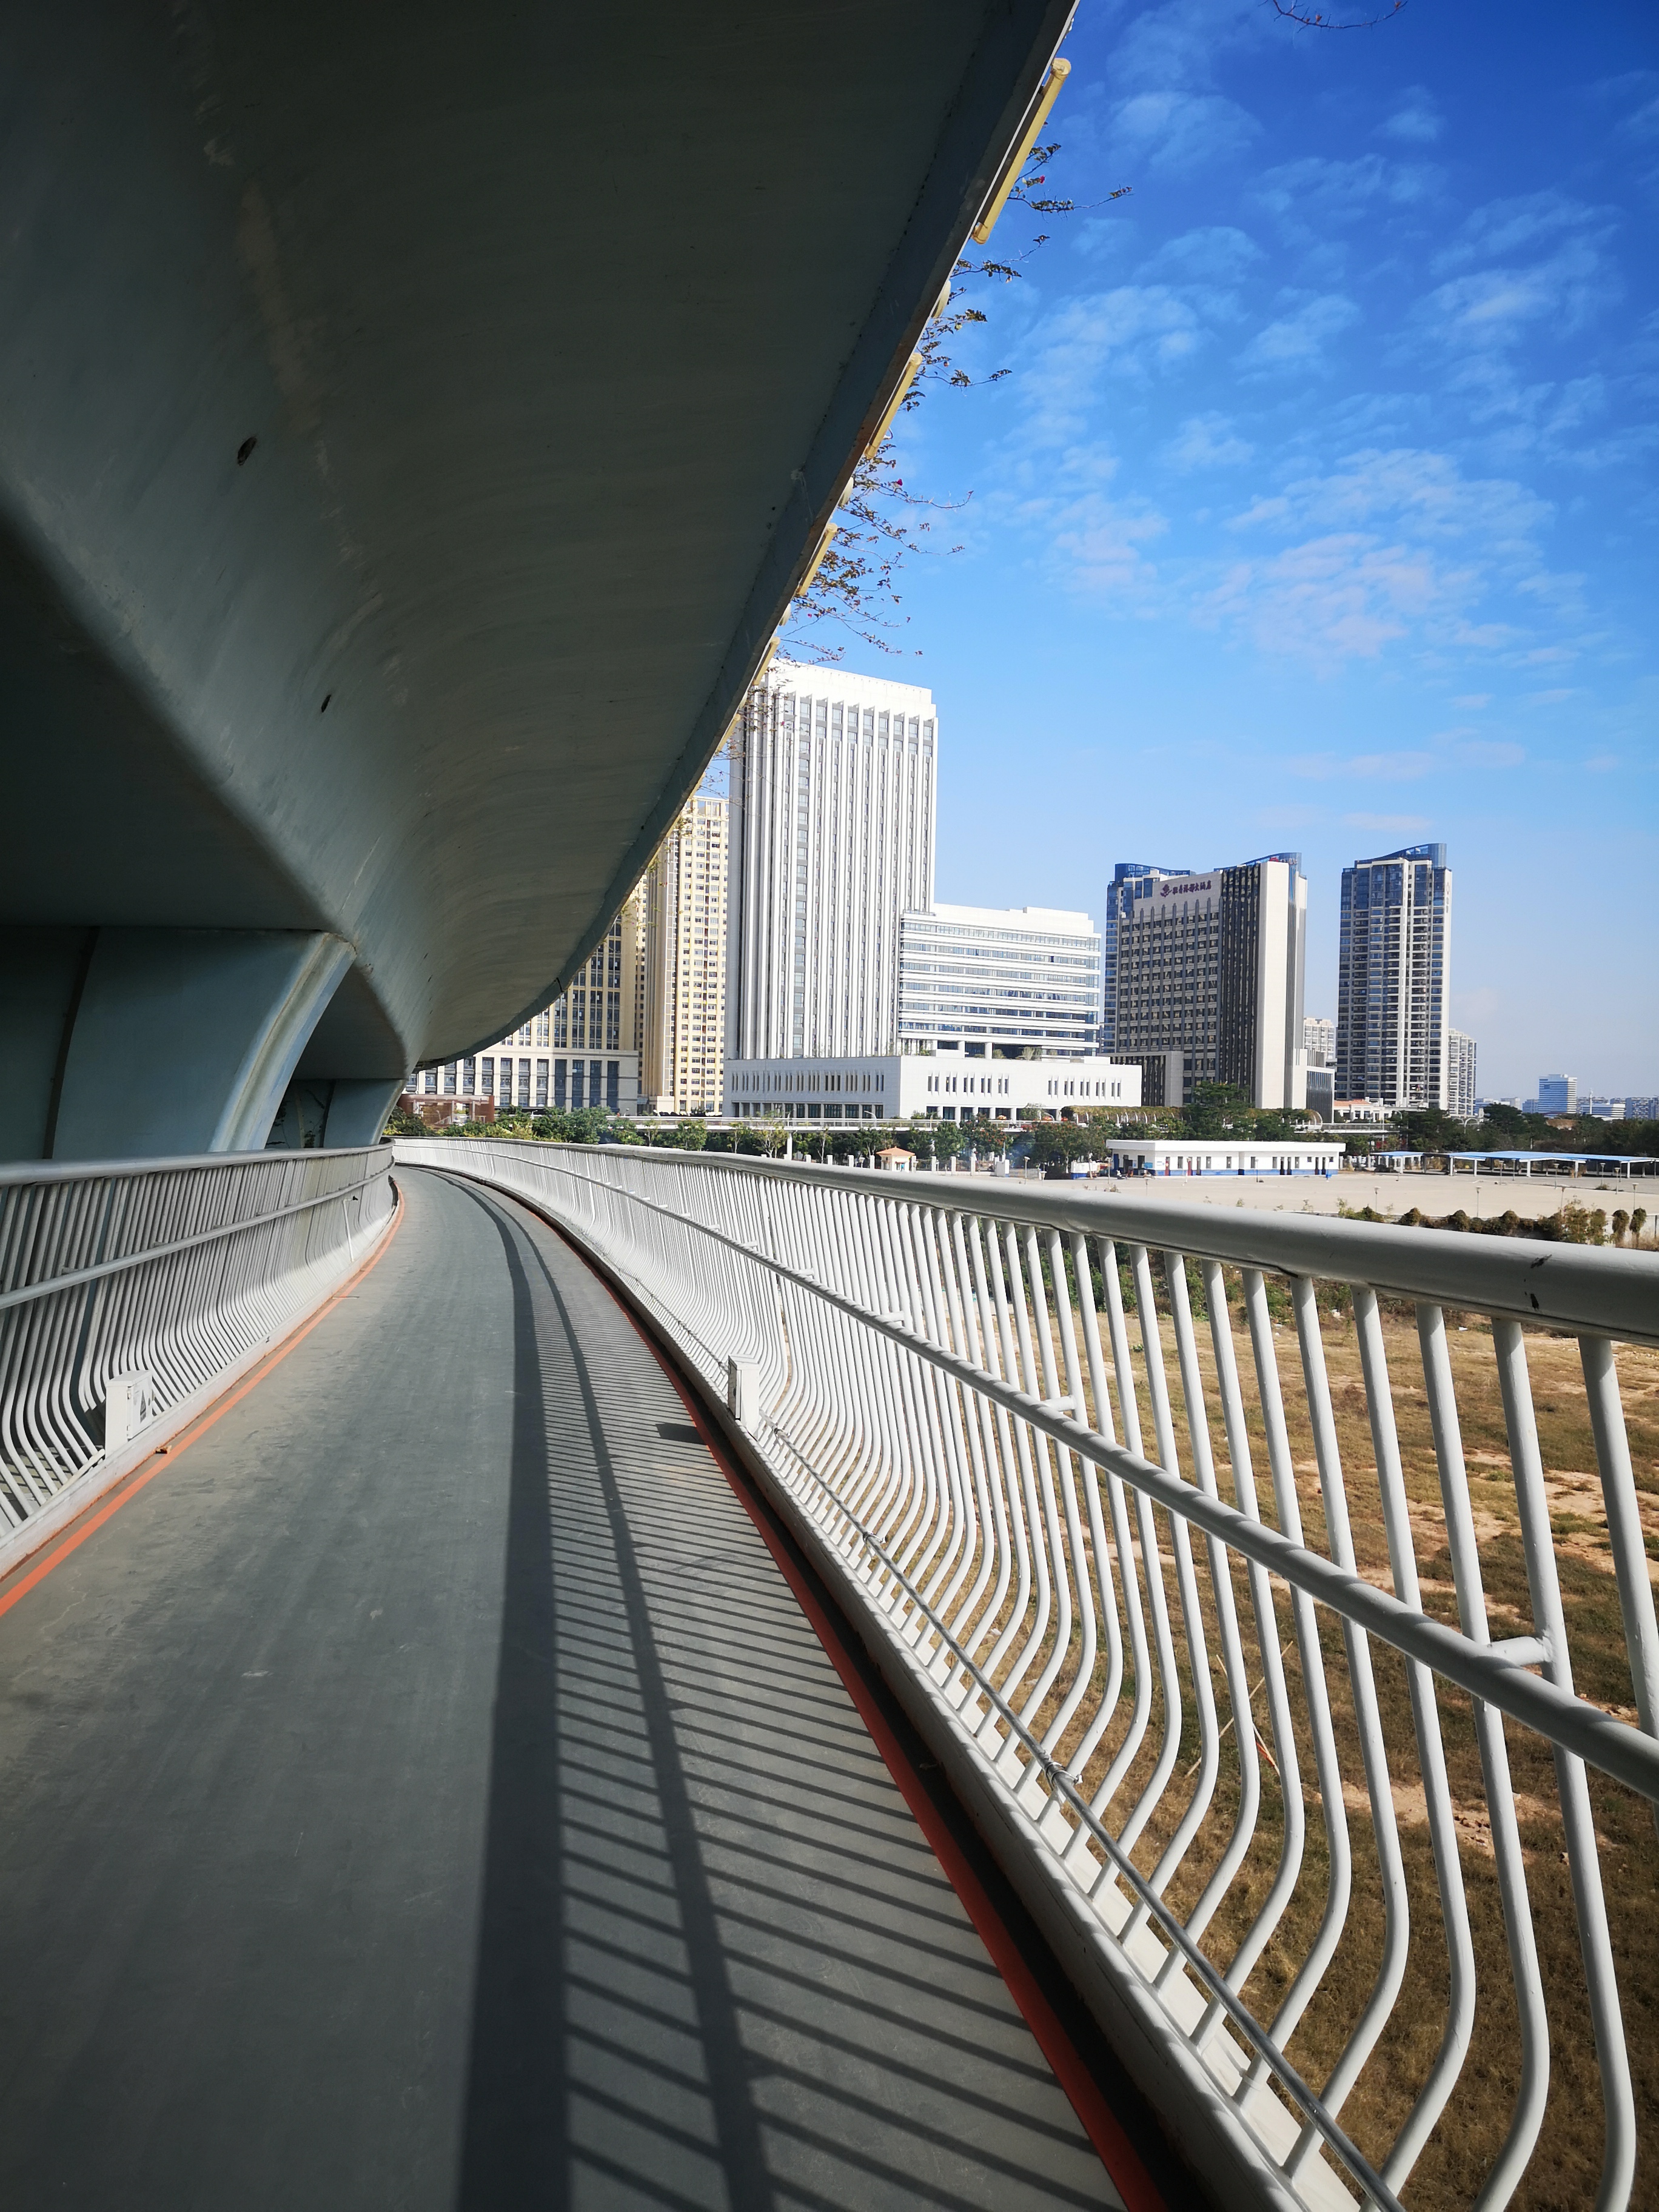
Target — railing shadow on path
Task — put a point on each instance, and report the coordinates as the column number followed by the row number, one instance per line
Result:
column 717, row 1964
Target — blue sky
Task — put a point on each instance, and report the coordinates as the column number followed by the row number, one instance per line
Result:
column 1319, row 510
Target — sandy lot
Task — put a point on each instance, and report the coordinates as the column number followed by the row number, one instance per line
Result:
column 1481, row 1197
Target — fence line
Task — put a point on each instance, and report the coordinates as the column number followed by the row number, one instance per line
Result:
column 130, row 1291
column 1000, row 1477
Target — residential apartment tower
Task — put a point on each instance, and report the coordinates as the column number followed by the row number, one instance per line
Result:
column 1391, row 1030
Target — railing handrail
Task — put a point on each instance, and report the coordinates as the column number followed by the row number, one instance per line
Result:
column 169, row 1277
column 926, row 1367
column 1579, row 1727
column 147, row 1255
column 1585, row 1289
column 27, row 1171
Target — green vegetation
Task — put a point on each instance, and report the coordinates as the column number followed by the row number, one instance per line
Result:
column 1569, row 1225
column 1055, row 1144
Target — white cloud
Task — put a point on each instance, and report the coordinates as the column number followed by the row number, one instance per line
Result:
column 1095, row 543
column 1338, row 598
column 1484, row 755
column 1312, row 196
column 1508, row 227
column 1517, row 265
column 1297, row 340
column 1494, row 307
column 1401, row 825
column 1386, row 545
column 1177, row 130
column 1207, row 441
column 1216, row 254
column 1427, row 490
column 1417, row 121
column 1472, row 701
column 1132, row 331
column 1375, row 768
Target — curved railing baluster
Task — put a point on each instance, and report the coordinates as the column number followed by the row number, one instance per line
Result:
column 941, row 1408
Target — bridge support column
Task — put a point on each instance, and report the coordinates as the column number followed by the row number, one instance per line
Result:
column 124, row 1043
column 332, row 1110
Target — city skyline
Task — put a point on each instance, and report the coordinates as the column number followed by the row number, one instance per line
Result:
column 1316, row 509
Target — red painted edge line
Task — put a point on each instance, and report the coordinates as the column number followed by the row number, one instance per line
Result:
column 26, row 1577
column 1116, row 2153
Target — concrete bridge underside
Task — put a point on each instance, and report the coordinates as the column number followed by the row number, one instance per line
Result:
column 428, row 1790
column 413, row 427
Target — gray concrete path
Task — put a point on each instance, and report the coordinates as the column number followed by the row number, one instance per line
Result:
column 427, row 1793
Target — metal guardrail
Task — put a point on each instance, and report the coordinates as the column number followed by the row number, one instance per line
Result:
column 934, row 1388
column 150, row 1285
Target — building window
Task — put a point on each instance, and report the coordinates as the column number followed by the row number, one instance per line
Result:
column 541, row 1085
column 524, row 1083
column 487, row 1084
column 560, row 1071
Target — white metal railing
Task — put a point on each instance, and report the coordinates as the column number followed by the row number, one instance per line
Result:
column 941, row 1396
column 132, row 1291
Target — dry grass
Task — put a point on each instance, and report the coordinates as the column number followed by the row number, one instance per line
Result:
column 1566, row 2165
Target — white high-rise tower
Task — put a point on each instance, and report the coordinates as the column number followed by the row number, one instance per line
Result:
column 832, row 799
column 1392, row 990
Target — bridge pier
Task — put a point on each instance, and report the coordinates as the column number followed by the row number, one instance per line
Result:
column 145, row 1042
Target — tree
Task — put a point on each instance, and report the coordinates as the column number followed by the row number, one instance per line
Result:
column 1516, row 1131
column 1214, row 1111
column 990, row 1136
column 1427, row 1129
column 853, row 581
column 586, row 1126
column 946, row 1139
column 1055, row 1144
column 689, row 1136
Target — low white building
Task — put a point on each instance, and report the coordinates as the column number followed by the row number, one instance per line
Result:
column 944, row 1087
column 1224, row 1156
column 505, row 1080
column 1373, row 1112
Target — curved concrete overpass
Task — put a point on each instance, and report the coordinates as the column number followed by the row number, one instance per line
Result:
column 412, row 428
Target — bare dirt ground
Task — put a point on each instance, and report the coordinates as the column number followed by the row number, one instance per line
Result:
column 1566, row 2165
column 1481, row 1197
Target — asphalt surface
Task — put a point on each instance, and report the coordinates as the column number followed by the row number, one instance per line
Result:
column 428, row 1792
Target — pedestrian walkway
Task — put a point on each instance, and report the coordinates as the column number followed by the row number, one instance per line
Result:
column 427, row 1793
